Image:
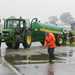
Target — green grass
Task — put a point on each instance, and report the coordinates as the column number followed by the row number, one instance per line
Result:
column 73, row 44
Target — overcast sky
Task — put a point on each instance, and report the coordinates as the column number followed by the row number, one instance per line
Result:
column 36, row 8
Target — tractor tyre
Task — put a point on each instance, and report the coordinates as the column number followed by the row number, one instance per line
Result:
column 24, row 45
column 9, row 44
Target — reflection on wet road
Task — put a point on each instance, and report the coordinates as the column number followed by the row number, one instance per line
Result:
column 64, row 64
column 50, row 69
column 47, row 69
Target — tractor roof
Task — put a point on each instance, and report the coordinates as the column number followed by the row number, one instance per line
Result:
column 16, row 19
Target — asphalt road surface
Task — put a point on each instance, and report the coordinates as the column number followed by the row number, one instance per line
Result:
column 5, row 70
column 59, row 67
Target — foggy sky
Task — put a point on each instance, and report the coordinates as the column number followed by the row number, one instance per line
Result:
column 36, row 8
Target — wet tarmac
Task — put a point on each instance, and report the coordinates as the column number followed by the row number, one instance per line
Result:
column 47, row 69
column 64, row 65
column 5, row 70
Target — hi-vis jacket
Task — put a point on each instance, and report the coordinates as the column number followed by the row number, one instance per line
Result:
column 50, row 41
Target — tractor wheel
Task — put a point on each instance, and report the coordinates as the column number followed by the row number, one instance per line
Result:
column 28, row 41
column 9, row 44
column 25, row 45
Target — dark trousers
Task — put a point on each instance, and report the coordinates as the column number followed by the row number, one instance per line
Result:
column 51, row 53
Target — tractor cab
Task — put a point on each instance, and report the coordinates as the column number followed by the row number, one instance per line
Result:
column 15, row 32
column 14, row 23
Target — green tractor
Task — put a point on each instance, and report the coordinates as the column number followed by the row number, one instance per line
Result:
column 16, row 31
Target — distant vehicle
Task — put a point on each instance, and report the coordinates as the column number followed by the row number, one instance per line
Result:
column 19, row 30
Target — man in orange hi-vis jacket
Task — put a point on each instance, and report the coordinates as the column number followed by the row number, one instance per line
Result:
column 50, row 44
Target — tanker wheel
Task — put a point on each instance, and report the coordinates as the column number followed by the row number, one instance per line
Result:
column 28, row 41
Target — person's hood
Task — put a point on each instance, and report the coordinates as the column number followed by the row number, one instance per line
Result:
column 51, row 34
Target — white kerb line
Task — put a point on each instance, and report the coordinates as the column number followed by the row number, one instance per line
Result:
column 3, row 51
column 69, row 49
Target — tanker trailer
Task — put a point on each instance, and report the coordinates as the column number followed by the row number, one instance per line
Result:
column 39, row 30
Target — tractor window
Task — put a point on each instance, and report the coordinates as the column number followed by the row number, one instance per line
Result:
column 28, row 25
column 14, row 23
column 21, row 24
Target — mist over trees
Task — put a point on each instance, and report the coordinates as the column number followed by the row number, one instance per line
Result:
column 65, row 18
column 52, row 19
column 68, row 18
